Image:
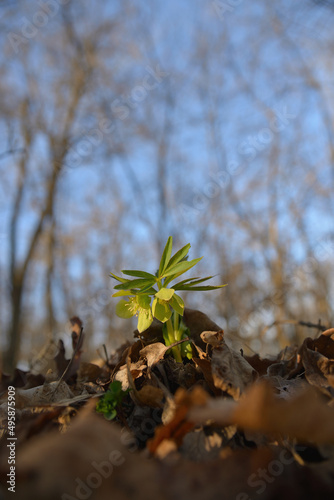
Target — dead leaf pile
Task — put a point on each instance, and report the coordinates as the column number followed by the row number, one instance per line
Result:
column 222, row 425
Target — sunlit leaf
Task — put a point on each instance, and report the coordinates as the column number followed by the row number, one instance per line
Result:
column 139, row 274
column 148, row 290
column 133, row 284
column 200, row 288
column 165, row 293
column 192, row 281
column 181, row 267
column 178, row 256
column 122, row 293
column 166, row 256
column 118, row 278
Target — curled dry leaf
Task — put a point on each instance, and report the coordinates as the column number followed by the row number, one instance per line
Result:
column 198, row 322
column 323, row 344
column 259, row 364
column 319, row 370
column 230, row 371
column 154, row 353
column 136, row 369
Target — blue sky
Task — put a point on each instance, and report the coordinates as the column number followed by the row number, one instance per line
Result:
column 248, row 70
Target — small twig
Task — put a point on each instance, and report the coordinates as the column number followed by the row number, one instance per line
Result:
column 278, row 322
column 106, row 354
column 320, row 327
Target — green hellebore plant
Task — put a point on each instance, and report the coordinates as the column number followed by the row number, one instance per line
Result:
column 167, row 305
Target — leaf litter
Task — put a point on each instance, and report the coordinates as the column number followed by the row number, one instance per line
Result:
column 221, row 425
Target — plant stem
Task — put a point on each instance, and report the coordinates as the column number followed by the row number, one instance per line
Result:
column 172, row 337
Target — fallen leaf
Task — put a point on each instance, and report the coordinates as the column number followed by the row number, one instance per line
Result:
column 151, row 396
column 230, row 371
column 306, row 417
column 154, row 353
column 198, row 322
column 324, row 344
column 179, row 426
column 44, row 394
column 319, row 370
column 88, row 372
column 89, row 460
column 259, row 364
column 205, row 367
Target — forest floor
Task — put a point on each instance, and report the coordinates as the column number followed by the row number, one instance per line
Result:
column 221, row 425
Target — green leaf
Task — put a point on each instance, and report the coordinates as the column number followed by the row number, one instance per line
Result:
column 165, row 256
column 148, row 290
column 124, row 309
column 115, row 388
column 165, row 294
column 192, row 281
column 118, row 278
column 178, row 256
column 161, row 310
column 122, row 293
column 177, row 304
column 111, row 399
column 181, row 267
column 200, row 288
column 132, row 284
column 188, row 285
column 110, row 415
column 144, row 319
column 139, row 274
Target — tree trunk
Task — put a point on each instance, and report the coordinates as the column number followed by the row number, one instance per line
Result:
column 14, row 329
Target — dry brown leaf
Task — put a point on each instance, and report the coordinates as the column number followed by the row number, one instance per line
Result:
column 89, row 372
column 324, row 344
column 153, row 353
column 198, row 322
column 179, row 426
column 230, row 371
column 306, row 417
column 205, row 367
column 259, row 364
column 150, row 396
column 319, row 370
column 89, row 461
column 44, row 394
column 136, row 369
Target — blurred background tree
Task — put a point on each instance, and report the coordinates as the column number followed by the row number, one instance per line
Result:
column 124, row 123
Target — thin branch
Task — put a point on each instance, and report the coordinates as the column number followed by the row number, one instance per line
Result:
column 318, row 326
